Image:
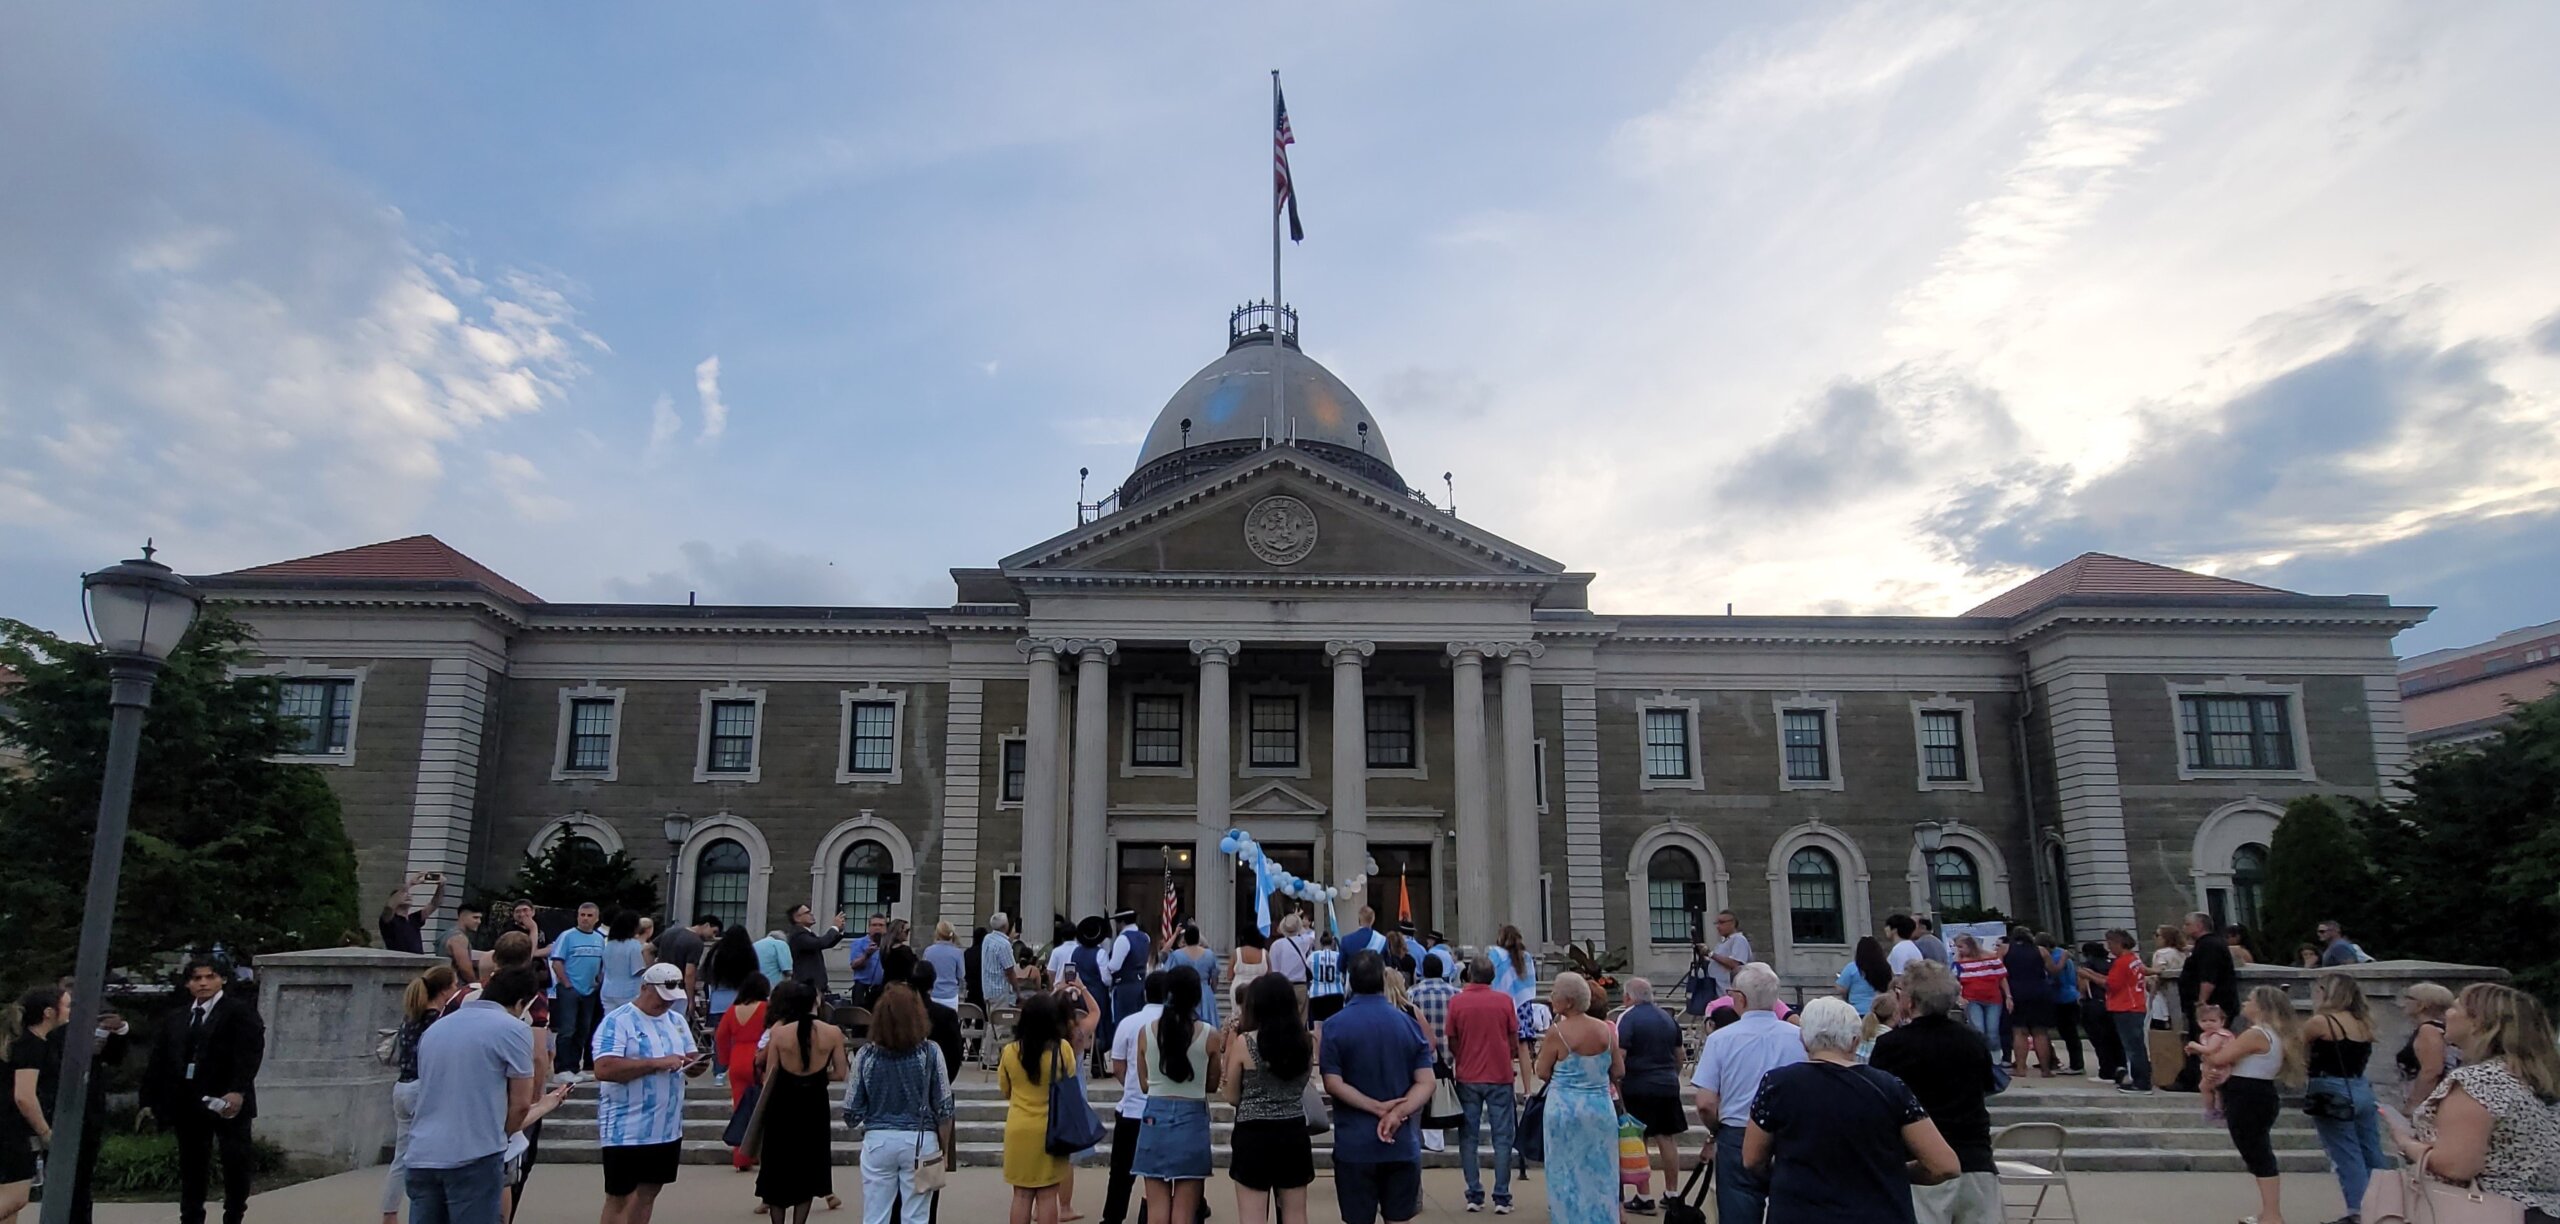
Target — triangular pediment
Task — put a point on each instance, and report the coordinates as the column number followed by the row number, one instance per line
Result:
column 1276, row 799
column 1284, row 514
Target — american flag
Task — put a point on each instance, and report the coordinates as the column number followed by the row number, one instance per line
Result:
column 1172, row 912
column 1285, row 194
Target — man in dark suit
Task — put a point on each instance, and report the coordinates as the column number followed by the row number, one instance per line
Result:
column 202, row 1084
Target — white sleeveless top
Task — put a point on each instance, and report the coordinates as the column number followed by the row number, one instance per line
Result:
column 2262, row 1066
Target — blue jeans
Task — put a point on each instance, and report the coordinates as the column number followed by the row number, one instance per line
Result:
column 2354, row 1147
column 467, row 1194
column 1495, row 1106
column 1742, row 1196
column 2133, row 1030
column 1985, row 1018
column 573, row 1020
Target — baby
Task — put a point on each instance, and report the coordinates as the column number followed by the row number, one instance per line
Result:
column 2211, row 1035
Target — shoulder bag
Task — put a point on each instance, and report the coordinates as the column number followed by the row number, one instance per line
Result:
column 746, row 1126
column 2408, row 1196
column 1313, row 1102
column 1529, row 1134
column 1072, row 1125
column 1444, row 1111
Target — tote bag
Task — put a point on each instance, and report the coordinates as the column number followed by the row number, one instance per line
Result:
column 2407, row 1196
column 1529, row 1135
column 1635, row 1162
column 1072, row 1125
column 1444, row 1111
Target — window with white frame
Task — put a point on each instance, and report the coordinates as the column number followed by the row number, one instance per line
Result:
column 590, row 747
column 733, row 738
column 1272, row 739
column 1390, row 725
column 1666, row 745
column 1808, row 745
column 1155, row 730
column 1013, row 763
column 2237, row 731
column 866, row 882
column 720, row 874
column 1942, row 755
column 1813, row 897
column 1955, row 882
column 875, row 738
column 318, row 713
column 1675, row 889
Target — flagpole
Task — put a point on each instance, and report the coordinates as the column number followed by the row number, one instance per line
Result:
column 1279, row 416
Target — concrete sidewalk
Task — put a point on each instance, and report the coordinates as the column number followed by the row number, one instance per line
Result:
column 572, row 1194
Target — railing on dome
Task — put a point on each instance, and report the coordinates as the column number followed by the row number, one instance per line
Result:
column 1251, row 324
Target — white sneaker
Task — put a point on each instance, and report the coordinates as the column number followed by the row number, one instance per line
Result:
column 565, row 1077
column 1502, row 1209
column 1435, row 1141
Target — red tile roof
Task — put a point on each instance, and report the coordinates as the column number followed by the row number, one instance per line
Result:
column 2100, row 575
column 418, row 558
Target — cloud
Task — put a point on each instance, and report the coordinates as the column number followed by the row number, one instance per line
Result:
column 664, row 425
column 706, row 386
column 1861, row 438
column 754, row 572
column 2374, row 429
column 518, row 484
column 1752, row 83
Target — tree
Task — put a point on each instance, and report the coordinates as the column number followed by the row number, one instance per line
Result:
column 226, row 847
column 2316, row 870
column 569, row 871
column 2468, row 866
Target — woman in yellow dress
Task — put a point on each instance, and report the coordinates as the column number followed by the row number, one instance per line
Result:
column 1025, row 1079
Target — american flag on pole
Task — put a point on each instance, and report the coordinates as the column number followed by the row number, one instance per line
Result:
column 1172, row 911
column 1285, row 194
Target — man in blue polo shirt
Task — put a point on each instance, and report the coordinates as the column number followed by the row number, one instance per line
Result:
column 1377, row 1069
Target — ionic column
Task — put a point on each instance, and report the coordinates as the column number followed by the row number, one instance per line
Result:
column 1350, row 759
column 1476, row 908
column 1520, row 786
column 1210, row 902
column 1089, row 852
column 1039, row 791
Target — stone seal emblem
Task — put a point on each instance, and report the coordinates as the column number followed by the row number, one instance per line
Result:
column 1281, row 530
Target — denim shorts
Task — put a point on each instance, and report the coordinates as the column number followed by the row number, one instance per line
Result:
column 1173, row 1140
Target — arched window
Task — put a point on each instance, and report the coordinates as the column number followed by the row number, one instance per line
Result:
column 2248, row 884
column 1956, row 882
column 584, row 852
column 866, row 882
column 1813, row 897
column 1674, row 892
column 720, row 882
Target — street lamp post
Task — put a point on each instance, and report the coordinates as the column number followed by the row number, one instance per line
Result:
column 138, row 610
column 1933, row 838
column 676, row 826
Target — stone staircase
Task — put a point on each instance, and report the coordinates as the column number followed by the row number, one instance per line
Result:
column 2109, row 1131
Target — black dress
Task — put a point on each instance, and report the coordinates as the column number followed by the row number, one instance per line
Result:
column 798, row 1135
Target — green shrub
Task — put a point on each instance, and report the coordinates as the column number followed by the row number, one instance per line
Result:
column 144, row 1165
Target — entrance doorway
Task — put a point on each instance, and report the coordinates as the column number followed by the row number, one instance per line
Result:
column 1404, row 871
column 1298, row 859
column 1143, row 872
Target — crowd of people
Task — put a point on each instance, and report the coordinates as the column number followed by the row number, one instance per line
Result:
column 1869, row 1101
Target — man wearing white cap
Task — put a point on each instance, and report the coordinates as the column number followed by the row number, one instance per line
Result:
column 643, row 1052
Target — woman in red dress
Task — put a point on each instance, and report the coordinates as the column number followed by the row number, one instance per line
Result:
column 733, row 1046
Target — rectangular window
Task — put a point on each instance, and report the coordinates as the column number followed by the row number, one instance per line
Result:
column 590, row 736
column 1390, row 732
column 733, row 737
column 1017, row 756
column 1666, row 744
column 1155, row 729
column 875, row 738
column 2243, row 731
column 1271, row 733
column 1942, row 745
column 1808, row 746
column 316, row 713
column 1538, row 762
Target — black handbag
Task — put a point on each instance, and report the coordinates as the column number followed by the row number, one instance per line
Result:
column 1529, row 1133
column 1689, row 1205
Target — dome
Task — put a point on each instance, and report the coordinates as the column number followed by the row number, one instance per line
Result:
column 1225, row 411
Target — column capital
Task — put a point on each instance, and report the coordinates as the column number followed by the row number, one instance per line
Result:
column 1223, row 649
column 1033, row 648
column 1476, row 652
column 1088, row 650
column 1352, row 651
column 1520, row 654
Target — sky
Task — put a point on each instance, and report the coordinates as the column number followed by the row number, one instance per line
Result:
column 1806, row 308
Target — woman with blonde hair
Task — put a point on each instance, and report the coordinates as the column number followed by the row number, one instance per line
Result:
column 420, row 1005
column 2339, row 1043
column 2495, row 1120
column 1580, row 1062
column 2428, row 1055
column 2268, row 1052
column 950, row 965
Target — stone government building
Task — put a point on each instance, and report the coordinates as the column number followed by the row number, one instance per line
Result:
column 1265, row 627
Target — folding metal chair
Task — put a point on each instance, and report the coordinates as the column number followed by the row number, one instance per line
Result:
column 2039, row 1167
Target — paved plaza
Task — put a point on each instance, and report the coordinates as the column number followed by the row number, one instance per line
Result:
column 571, row 1194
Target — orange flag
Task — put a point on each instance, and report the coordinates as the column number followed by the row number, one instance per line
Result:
column 1404, row 899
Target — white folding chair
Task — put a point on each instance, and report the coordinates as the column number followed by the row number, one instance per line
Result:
column 2039, row 1166
column 973, row 1031
column 1000, row 1021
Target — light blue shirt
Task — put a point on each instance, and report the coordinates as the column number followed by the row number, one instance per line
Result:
column 583, row 953
column 865, row 973
column 773, row 960
column 1862, row 995
column 1450, row 969
column 623, row 961
column 1739, row 1055
column 1521, row 986
column 1324, row 973
column 950, row 972
column 464, row 1063
column 995, row 959
column 649, row 1109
